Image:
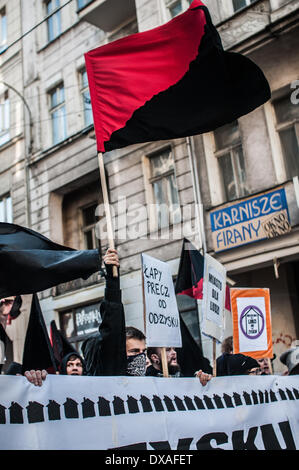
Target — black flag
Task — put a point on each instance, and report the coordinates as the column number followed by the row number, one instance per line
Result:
column 31, row 262
column 190, row 355
column 38, row 353
column 61, row 346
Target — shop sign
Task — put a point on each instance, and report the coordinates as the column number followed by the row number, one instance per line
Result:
column 88, row 319
column 253, row 219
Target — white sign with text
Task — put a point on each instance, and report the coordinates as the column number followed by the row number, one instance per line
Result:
column 214, row 289
column 162, row 320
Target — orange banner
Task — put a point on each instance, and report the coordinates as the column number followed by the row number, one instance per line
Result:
column 251, row 315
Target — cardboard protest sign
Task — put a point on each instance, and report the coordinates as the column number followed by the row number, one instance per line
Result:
column 162, row 323
column 252, row 331
column 214, row 289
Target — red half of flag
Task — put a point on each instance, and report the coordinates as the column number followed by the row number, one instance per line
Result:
column 172, row 81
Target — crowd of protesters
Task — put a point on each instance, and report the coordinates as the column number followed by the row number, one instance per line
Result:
column 117, row 350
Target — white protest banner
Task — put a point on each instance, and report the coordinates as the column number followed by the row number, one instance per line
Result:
column 252, row 330
column 214, row 289
column 148, row 413
column 162, row 323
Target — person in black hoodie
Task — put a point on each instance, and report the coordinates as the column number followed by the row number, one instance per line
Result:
column 105, row 351
column 236, row 364
column 72, row 364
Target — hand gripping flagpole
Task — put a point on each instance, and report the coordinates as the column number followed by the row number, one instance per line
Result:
column 107, row 207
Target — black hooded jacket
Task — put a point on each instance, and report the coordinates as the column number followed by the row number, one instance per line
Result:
column 105, row 352
column 66, row 359
column 234, row 364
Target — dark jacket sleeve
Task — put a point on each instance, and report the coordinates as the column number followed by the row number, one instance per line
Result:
column 105, row 353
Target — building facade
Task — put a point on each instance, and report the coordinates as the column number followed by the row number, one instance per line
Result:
column 233, row 192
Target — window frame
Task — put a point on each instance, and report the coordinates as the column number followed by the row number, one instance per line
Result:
column 4, row 118
column 172, row 3
column 54, row 19
column 3, row 37
column 283, row 126
column 232, row 151
column 89, row 227
column 8, row 217
column 86, row 2
column 58, row 107
column 84, row 88
column 153, row 179
column 248, row 3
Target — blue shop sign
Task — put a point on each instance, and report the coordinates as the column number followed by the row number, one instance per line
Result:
column 254, row 219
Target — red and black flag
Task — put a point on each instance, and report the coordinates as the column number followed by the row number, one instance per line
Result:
column 173, row 81
column 38, row 353
column 191, row 270
column 61, row 346
column 31, row 262
column 15, row 309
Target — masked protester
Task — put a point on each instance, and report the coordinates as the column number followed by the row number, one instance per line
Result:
column 135, row 351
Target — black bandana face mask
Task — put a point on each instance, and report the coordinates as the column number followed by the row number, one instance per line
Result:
column 136, row 365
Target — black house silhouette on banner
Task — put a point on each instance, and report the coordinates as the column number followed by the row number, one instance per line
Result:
column 53, row 410
column 2, row 414
column 35, row 412
column 88, row 410
column 71, row 408
column 16, row 413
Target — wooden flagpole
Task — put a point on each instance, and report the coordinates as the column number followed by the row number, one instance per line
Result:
column 270, row 366
column 107, row 207
column 214, row 358
column 164, row 362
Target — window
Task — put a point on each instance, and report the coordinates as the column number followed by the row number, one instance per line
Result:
column 89, row 225
column 176, row 7
column 58, row 114
column 88, row 119
column 287, row 117
column 83, row 3
column 231, row 160
column 79, row 323
column 4, row 118
column 3, row 30
column 164, row 187
column 54, row 20
column 239, row 4
column 6, row 209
